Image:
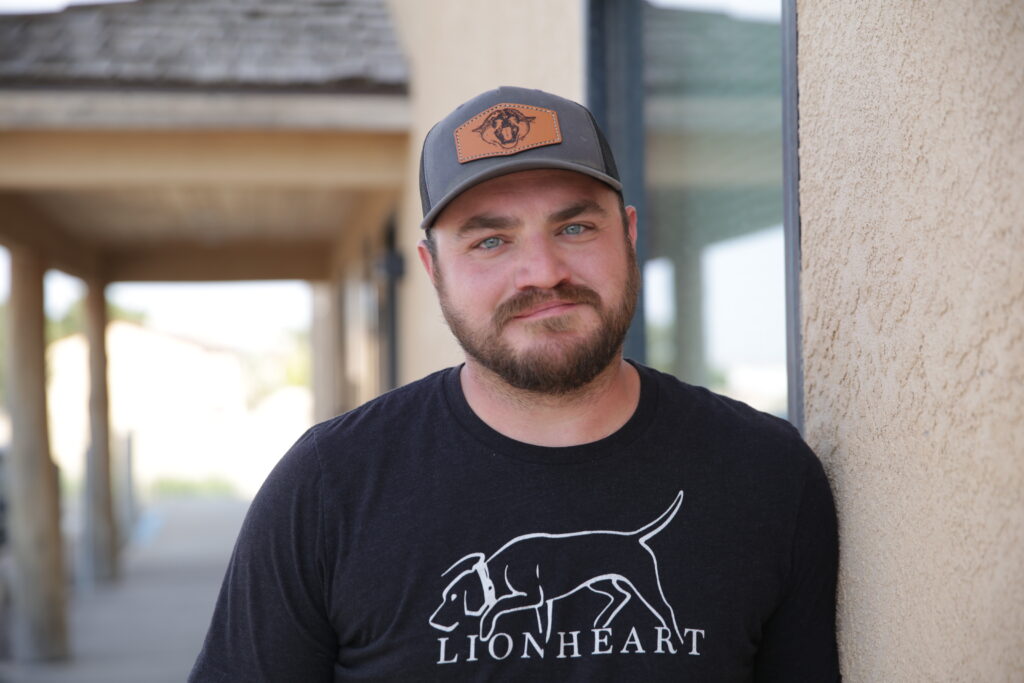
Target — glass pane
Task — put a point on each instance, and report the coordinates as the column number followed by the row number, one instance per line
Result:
column 714, row 285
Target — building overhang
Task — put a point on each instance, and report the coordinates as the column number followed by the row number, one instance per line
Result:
column 159, row 185
column 106, row 109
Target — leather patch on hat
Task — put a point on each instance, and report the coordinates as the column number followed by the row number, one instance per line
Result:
column 506, row 129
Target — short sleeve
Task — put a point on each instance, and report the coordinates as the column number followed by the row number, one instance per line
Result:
column 799, row 640
column 270, row 621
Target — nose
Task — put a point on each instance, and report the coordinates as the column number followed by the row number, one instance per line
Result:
column 541, row 265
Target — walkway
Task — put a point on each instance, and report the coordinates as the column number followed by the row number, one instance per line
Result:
column 149, row 626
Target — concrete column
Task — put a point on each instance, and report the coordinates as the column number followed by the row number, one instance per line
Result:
column 100, row 524
column 329, row 395
column 39, row 629
column 691, row 364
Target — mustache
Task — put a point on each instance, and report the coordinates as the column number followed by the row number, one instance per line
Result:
column 527, row 299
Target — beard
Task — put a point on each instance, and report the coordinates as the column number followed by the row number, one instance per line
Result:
column 554, row 365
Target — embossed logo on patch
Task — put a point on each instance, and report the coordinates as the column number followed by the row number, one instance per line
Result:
column 505, row 129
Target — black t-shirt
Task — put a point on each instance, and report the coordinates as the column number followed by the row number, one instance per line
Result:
column 407, row 540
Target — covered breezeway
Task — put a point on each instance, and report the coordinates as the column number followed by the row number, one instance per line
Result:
column 159, row 141
column 189, row 202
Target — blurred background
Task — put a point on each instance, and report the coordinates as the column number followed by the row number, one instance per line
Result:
column 209, row 212
column 208, row 218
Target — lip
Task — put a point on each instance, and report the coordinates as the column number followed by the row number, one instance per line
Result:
column 547, row 309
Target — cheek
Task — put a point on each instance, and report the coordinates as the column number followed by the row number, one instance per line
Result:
column 477, row 285
column 603, row 274
column 467, row 299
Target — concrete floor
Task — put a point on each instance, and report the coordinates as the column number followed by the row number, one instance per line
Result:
column 149, row 626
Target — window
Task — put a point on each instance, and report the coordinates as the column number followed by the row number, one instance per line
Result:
column 691, row 92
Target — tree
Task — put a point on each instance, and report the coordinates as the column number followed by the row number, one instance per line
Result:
column 72, row 322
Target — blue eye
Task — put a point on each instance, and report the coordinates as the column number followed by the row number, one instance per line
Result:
column 490, row 243
column 574, row 229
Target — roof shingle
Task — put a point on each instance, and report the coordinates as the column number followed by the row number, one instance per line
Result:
column 336, row 45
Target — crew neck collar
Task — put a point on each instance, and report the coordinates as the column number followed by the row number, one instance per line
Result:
column 502, row 445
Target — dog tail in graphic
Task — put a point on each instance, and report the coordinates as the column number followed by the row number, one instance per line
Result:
column 650, row 530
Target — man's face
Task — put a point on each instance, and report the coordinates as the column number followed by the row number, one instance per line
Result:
column 537, row 277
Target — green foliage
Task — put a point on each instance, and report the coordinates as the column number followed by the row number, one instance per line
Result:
column 661, row 347
column 73, row 320
column 298, row 365
column 718, row 380
column 290, row 365
column 3, row 356
column 212, row 487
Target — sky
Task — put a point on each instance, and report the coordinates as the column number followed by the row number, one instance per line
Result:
column 30, row 6
column 247, row 316
column 744, row 288
column 745, row 292
column 763, row 10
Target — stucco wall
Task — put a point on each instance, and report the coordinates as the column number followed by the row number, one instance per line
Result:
column 912, row 211
column 456, row 49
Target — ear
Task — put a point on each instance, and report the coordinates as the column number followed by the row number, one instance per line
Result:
column 631, row 229
column 426, row 259
column 467, row 563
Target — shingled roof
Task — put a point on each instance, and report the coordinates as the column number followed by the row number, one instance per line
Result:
column 306, row 45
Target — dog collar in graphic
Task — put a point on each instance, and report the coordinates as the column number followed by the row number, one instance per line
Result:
column 534, row 572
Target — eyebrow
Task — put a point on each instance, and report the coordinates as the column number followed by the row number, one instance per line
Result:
column 573, row 210
column 486, row 221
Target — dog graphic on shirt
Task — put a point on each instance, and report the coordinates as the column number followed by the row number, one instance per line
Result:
column 535, row 571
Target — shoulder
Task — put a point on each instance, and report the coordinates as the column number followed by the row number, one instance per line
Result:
column 407, row 410
column 728, row 426
column 397, row 405
column 719, row 409
column 362, row 435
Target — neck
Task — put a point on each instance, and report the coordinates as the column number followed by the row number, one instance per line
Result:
column 588, row 414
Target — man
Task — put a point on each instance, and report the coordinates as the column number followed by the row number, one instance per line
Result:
column 548, row 510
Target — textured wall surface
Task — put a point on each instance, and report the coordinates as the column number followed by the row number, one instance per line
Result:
column 456, row 49
column 912, row 210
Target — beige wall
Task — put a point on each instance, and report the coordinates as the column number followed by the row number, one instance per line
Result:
column 912, row 205
column 456, row 49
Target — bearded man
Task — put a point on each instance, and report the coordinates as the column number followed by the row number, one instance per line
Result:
column 547, row 510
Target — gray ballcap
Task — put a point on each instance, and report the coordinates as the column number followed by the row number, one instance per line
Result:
column 504, row 131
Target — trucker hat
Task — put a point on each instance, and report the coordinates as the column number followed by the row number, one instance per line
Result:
column 507, row 130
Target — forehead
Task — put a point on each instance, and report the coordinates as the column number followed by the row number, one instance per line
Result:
column 525, row 192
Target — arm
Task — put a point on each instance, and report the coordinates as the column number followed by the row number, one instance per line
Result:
column 799, row 640
column 270, row 621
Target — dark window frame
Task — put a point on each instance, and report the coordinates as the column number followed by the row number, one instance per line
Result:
column 791, row 214
column 615, row 95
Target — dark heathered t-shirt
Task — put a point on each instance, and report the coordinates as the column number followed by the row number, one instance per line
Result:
column 407, row 540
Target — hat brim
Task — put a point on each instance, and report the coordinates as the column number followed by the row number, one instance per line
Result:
column 514, row 166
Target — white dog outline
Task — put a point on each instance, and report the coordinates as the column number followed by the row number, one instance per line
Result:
column 521, row 561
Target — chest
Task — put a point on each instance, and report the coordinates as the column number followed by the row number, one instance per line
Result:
column 549, row 578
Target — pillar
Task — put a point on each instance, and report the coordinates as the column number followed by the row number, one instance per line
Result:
column 100, row 525
column 39, row 628
column 328, row 344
